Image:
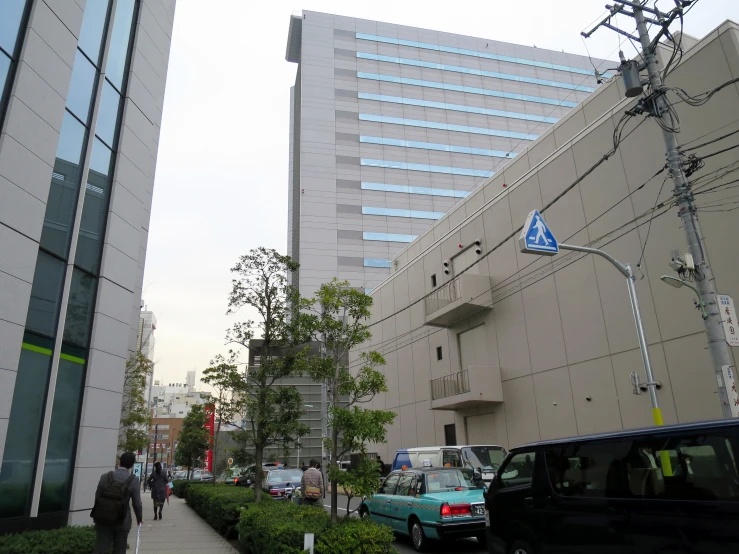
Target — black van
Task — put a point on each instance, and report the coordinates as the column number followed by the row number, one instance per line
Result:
column 666, row 490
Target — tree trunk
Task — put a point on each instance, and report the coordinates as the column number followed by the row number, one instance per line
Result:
column 215, row 451
column 335, row 443
column 258, row 473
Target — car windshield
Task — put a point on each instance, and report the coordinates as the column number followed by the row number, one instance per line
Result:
column 449, row 480
column 284, row 476
column 485, row 457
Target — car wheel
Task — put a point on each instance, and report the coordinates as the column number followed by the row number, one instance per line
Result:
column 420, row 542
column 521, row 547
column 482, row 539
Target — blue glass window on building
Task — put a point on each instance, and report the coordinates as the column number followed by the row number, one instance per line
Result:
column 428, row 191
column 446, row 127
column 13, row 14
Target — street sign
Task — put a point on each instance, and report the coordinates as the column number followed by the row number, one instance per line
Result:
column 137, row 469
column 230, row 462
column 728, row 318
column 536, row 238
column 732, row 393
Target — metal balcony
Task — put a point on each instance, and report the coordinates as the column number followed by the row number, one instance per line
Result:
column 473, row 387
column 457, row 299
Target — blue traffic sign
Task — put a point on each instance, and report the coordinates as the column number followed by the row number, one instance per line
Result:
column 536, row 238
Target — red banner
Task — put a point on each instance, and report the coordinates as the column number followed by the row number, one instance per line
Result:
column 210, row 425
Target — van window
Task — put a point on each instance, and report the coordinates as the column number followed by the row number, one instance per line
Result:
column 589, row 469
column 519, row 471
column 451, row 458
column 701, row 467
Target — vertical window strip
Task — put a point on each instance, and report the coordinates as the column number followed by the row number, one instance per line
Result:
column 10, row 46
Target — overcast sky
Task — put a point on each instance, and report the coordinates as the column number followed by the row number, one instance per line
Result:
column 221, row 182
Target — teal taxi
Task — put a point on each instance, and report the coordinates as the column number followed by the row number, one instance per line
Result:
column 429, row 504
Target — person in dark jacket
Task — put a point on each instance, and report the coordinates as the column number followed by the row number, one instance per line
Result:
column 116, row 536
column 158, row 486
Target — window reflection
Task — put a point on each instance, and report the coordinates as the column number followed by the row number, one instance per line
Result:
column 389, row 237
column 105, row 128
column 79, row 100
column 376, row 262
column 415, row 190
column 64, row 189
column 79, row 309
column 93, row 24
column 60, row 447
column 46, row 295
column 426, row 167
column 455, row 107
column 447, row 127
column 24, row 426
column 95, row 209
column 462, row 88
column 470, row 71
column 119, row 42
column 11, row 13
column 475, row 54
column 395, row 212
column 438, row 147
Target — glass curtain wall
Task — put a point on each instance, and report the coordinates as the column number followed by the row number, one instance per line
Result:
column 13, row 18
column 27, row 411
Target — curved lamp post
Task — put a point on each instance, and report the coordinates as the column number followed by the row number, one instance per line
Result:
column 678, row 283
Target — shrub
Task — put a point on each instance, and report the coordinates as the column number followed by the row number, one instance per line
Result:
column 67, row 540
column 279, row 527
column 220, row 505
column 179, row 487
column 356, row 536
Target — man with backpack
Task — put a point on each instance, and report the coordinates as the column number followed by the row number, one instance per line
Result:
column 311, row 485
column 111, row 513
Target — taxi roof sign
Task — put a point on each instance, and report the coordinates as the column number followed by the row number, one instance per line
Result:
column 536, row 237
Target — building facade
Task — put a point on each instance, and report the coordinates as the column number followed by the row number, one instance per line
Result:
column 82, row 93
column 487, row 345
column 391, row 126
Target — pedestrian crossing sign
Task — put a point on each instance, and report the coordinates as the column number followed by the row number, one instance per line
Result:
column 536, row 238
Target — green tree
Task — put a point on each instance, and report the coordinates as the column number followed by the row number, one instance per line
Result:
column 270, row 410
column 338, row 324
column 193, row 440
column 133, row 430
column 223, row 376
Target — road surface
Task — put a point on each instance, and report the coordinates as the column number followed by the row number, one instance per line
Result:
column 403, row 543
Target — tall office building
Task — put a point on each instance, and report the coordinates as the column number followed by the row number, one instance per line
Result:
column 82, row 85
column 391, row 126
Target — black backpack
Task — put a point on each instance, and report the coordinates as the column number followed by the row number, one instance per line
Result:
column 110, row 509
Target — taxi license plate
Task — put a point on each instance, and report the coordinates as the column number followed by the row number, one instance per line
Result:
column 478, row 510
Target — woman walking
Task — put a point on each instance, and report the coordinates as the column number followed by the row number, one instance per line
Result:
column 158, row 486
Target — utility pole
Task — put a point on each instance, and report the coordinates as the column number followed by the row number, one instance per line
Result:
column 657, row 105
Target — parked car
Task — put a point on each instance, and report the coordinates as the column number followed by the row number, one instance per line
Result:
column 430, row 503
column 484, row 458
column 230, row 476
column 666, row 489
column 247, row 477
column 201, row 475
column 179, row 475
column 280, row 483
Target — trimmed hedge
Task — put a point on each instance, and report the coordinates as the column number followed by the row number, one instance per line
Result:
column 179, row 487
column 279, row 527
column 220, row 505
column 356, row 536
column 67, row 540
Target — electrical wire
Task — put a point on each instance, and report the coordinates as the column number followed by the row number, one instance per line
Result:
column 722, row 137
column 703, row 97
column 649, row 228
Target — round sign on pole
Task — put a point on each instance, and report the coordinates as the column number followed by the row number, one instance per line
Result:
column 230, row 461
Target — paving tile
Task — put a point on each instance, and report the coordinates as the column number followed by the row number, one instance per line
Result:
column 181, row 531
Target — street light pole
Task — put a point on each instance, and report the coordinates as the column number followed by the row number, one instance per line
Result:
column 627, row 272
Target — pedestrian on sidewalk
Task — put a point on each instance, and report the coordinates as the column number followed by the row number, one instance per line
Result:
column 158, row 486
column 111, row 512
column 311, row 485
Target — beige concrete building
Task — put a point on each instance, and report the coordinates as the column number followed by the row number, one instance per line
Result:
column 518, row 347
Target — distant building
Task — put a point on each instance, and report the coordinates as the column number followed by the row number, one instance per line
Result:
column 191, row 375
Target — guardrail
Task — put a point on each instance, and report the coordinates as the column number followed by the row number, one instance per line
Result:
column 450, row 385
column 444, row 296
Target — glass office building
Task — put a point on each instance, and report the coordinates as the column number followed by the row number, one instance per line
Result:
column 82, row 88
column 392, row 125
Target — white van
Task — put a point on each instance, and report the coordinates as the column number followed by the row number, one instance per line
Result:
column 484, row 457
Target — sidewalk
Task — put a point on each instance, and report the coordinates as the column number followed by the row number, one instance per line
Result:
column 181, row 531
